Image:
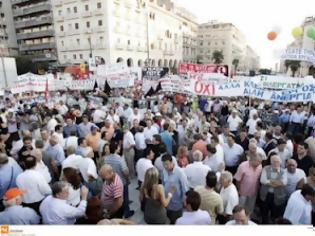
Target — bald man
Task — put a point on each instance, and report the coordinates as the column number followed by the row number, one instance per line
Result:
column 112, row 192
column 296, row 177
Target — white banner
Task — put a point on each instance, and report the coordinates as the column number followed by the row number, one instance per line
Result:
column 299, row 54
column 112, row 69
column 87, row 84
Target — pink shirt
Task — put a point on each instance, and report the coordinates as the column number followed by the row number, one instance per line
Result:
column 248, row 178
column 111, row 191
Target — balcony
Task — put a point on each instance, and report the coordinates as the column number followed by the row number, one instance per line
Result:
column 130, row 48
column 99, row 46
column 99, row 12
column 57, row 3
column 59, row 18
column 42, row 46
column 44, row 57
column 119, row 46
column 86, row 14
column 14, row 2
column 44, row 20
column 32, row 9
column 34, row 35
column 61, row 34
column 168, row 52
column 99, row 29
column 87, row 31
column 70, row 16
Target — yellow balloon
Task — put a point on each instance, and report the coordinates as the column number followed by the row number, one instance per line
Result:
column 297, row 32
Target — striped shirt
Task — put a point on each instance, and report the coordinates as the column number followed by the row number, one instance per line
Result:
column 118, row 164
column 112, row 191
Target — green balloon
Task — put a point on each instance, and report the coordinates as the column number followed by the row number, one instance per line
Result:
column 311, row 33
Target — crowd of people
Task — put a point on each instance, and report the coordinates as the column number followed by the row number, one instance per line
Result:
column 195, row 160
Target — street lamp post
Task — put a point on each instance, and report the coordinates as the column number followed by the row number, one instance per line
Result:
column 148, row 39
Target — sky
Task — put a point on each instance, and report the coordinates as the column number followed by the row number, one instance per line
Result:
column 255, row 18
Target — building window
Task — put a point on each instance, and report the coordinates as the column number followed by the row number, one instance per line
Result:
column 99, row 5
column 86, row 7
column 74, row 56
column 100, row 23
column 75, row 9
column 61, row 28
column 76, row 25
column 81, row 56
column 65, row 57
column 62, row 43
column 59, row 12
column 68, row 10
column 87, row 24
column 78, row 41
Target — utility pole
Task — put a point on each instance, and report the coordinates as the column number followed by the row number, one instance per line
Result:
column 148, row 39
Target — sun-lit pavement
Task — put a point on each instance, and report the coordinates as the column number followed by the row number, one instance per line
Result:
column 135, row 205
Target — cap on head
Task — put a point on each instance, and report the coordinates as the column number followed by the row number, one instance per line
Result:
column 13, row 193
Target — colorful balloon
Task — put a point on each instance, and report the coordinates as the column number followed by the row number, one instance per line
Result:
column 272, row 35
column 311, row 33
column 297, row 32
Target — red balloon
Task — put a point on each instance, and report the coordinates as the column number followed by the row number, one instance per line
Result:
column 272, row 35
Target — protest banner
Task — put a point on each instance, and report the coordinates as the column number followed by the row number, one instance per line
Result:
column 206, row 68
column 280, row 82
column 299, row 54
column 154, row 73
column 175, row 84
column 112, row 69
column 87, row 84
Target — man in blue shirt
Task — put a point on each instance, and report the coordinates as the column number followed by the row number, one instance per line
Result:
column 174, row 177
column 14, row 213
column 9, row 170
column 167, row 139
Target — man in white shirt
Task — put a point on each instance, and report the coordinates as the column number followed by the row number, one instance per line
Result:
column 251, row 124
column 234, row 121
column 128, row 149
column 241, row 217
column 296, row 120
column 135, row 115
column 299, row 208
column 140, row 143
column 51, row 124
column 33, row 183
column 215, row 142
column 99, row 116
column 282, row 152
column 59, row 133
column 73, row 160
column 196, row 172
column 149, row 131
column 229, row 194
column 193, row 215
column 214, row 161
column 144, row 164
column 56, row 211
column 232, row 154
column 296, row 177
column 71, row 141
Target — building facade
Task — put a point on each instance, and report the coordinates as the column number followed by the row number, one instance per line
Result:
column 33, row 21
column 138, row 32
column 227, row 38
column 8, row 44
column 306, row 68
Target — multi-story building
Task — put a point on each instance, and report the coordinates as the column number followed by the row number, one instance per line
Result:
column 306, row 68
column 227, row 38
column 8, row 44
column 33, row 23
column 150, row 32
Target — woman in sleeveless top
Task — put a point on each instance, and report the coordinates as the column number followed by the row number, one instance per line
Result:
column 155, row 201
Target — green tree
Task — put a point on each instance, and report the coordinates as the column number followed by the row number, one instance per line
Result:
column 23, row 64
column 265, row 71
column 235, row 63
column 293, row 64
column 217, row 57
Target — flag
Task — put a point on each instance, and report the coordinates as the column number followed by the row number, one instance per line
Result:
column 107, row 88
column 158, row 88
column 150, row 92
column 46, row 91
column 95, row 86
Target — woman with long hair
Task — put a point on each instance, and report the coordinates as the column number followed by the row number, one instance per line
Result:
column 155, row 201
